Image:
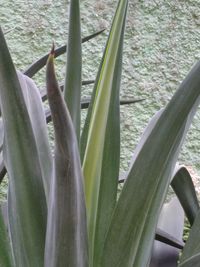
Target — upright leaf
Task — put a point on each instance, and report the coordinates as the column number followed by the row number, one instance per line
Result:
column 38, row 121
column 27, row 212
column 129, row 244
column 72, row 90
column 66, row 239
column 94, row 151
column 110, row 161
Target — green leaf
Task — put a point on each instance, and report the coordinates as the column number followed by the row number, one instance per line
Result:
column 40, row 63
column 38, row 121
column 66, row 239
column 192, row 261
column 129, row 244
column 44, row 94
column 191, row 251
column 98, row 130
column 111, row 161
column 171, row 220
column 26, row 198
column 5, row 250
column 185, row 191
column 72, row 88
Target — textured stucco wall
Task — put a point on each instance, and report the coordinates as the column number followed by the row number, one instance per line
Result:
column 161, row 44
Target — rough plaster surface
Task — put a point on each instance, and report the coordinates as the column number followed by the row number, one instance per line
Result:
column 162, row 42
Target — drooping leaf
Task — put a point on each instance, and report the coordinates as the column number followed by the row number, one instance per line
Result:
column 171, row 220
column 66, row 239
column 191, row 252
column 73, row 76
column 101, row 113
column 39, row 64
column 129, row 244
column 185, row 191
column 26, row 200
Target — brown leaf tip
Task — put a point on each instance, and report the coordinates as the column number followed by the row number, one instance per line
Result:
column 52, row 50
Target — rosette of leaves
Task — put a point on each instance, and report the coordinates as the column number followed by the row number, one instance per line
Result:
column 62, row 207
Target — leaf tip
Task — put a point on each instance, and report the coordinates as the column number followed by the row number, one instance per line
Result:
column 52, row 53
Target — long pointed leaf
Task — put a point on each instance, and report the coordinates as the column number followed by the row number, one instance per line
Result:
column 66, row 242
column 185, row 191
column 148, row 179
column 72, row 88
column 27, row 213
column 111, row 160
column 97, row 128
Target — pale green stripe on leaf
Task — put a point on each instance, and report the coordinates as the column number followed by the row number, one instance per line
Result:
column 111, row 160
column 97, row 129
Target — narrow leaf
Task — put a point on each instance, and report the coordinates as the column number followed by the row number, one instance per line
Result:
column 185, row 191
column 72, row 87
column 94, row 151
column 66, row 239
column 27, row 203
column 129, row 244
column 111, row 160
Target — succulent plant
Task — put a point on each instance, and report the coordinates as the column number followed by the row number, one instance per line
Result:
column 62, row 208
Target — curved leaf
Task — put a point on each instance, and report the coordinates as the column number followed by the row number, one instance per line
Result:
column 27, row 212
column 148, row 179
column 185, row 191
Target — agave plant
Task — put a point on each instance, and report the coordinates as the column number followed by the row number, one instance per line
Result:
column 62, row 208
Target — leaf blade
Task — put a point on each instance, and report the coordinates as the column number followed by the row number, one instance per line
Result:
column 73, row 76
column 66, row 239
column 27, row 215
column 158, row 152
column 184, row 188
